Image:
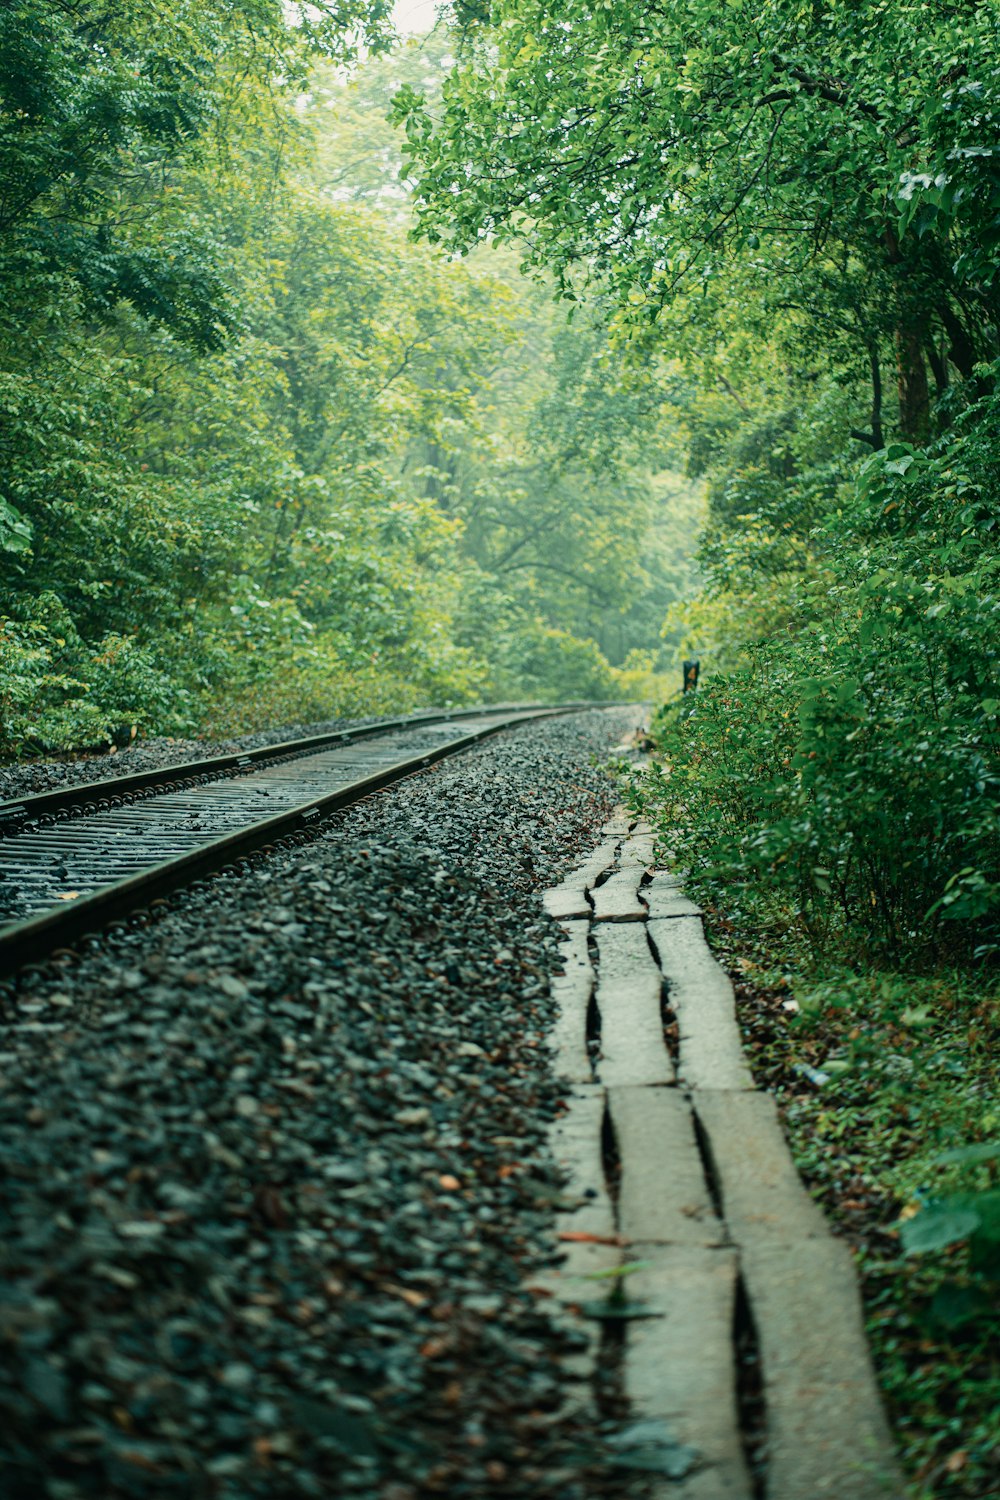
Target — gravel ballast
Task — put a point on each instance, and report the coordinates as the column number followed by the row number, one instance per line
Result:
column 275, row 1176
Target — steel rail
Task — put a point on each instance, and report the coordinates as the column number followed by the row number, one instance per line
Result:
column 85, row 796
column 36, row 938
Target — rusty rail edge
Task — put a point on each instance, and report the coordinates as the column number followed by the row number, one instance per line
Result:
column 34, row 940
column 85, row 794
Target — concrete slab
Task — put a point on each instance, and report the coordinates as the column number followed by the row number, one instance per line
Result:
column 702, row 998
column 827, row 1435
column 633, row 1049
column 665, row 898
column 763, row 1198
column 572, row 991
column 576, row 1144
column 617, row 900
column 662, row 1195
column 567, row 903
column 603, row 858
column 680, row 1368
column 637, row 849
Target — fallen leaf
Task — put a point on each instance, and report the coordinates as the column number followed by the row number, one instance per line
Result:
column 435, row 1348
column 580, row 1237
column 406, row 1293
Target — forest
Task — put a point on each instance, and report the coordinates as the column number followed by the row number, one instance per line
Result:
column 264, row 458
column 342, row 373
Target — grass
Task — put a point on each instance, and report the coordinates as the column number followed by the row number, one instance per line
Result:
column 877, row 1075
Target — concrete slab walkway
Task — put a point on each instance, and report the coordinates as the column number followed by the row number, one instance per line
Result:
column 683, row 1178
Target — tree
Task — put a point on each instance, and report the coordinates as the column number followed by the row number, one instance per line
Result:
column 302, row 465
column 100, row 105
column 655, row 146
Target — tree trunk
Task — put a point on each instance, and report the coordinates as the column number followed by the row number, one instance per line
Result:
column 914, row 394
column 878, row 441
column 962, row 352
column 938, row 361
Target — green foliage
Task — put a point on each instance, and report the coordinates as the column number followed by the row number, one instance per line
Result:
column 677, row 152
column 849, row 766
column 57, row 693
column 549, row 663
column 909, row 1066
column 971, row 1215
column 263, row 456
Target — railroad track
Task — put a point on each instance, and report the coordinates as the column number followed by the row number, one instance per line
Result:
column 78, row 858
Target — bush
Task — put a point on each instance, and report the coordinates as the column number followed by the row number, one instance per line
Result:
column 540, row 662
column 56, row 693
column 849, row 769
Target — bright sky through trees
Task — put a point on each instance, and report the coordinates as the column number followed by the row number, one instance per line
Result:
column 414, row 17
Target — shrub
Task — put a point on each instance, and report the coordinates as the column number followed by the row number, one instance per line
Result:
column 849, row 769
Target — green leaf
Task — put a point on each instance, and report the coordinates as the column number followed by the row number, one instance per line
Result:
column 936, row 1229
column 615, row 1271
column 15, row 529
column 954, row 1306
column 959, row 1155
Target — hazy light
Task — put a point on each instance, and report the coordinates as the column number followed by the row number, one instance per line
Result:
column 415, row 16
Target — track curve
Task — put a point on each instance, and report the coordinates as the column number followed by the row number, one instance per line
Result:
column 79, row 857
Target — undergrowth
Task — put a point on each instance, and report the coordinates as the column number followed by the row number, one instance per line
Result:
column 869, row 1005
column 886, row 1081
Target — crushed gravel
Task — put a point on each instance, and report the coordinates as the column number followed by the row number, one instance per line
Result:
column 275, row 1171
